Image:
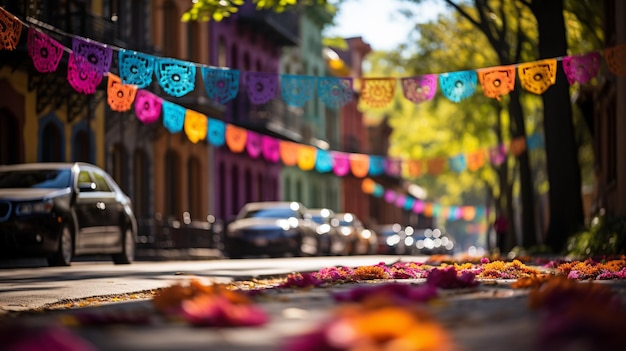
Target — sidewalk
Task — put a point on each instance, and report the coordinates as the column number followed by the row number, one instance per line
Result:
column 489, row 316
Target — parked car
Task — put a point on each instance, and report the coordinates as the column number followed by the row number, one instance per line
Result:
column 63, row 210
column 360, row 240
column 327, row 226
column 433, row 241
column 273, row 228
column 391, row 239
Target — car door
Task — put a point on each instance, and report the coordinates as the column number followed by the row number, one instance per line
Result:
column 88, row 209
column 112, row 211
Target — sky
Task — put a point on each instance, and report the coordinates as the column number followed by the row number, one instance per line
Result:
column 379, row 22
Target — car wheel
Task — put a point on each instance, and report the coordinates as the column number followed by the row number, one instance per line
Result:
column 65, row 251
column 127, row 255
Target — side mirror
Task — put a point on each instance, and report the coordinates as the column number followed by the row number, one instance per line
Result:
column 86, row 186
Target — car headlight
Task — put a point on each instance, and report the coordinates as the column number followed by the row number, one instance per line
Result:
column 27, row 208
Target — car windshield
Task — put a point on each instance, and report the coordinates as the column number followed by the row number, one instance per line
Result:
column 36, row 178
column 271, row 213
column 319, row 219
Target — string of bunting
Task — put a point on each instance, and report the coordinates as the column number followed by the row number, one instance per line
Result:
column 89, row 61
column 426, row 208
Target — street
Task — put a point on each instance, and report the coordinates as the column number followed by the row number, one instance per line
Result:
column 32, row 284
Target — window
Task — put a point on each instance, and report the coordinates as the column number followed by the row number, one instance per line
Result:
column 171, row 21
column 140, row 184
column 193, row 186
column 51, row 144
column 221, row 53
column 119, row 169
column 101, row 183
column 81, row 147
column 172, row 181
column 10, row 139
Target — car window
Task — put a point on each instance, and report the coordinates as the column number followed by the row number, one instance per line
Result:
column 39, row 178
column 272, row 213
column 101, row 183
column 84, row 177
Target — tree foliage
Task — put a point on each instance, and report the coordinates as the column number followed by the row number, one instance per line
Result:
column 217, row 10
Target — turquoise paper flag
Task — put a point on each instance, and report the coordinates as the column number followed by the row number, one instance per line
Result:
column 457, row 86
column 377, row 165
column 458, row 163
column 173, row 116
column 323, row 161
column 217, row 132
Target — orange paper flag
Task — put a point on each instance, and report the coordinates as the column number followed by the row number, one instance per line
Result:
column 436, row 166
column 120, row 97
column 497, row 81
column 236, row 138
column 288, row 153
column 359, row 165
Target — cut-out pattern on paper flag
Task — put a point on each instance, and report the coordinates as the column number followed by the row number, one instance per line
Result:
column 306, row 157
column 196, row 126
column 497, row 154
column 135, row 68
column 253, row 144
column 11, row 30
column 177, row 78
column 475, row 160
column 359, row 165
column 216, row 132
column 220, row 84
column 537, row 76
column 378, row 191
column 377, row 92
column 341, row 163
column 120, row 96
column 261, row 86
column 457, row 86
column 581, row 68
column 616, row 59
column 288, row 153
column 497, row 81
column 98, row 55
column 173, row 116
column 236, row 138
column 419, row 89
column 296, row 90
column 468, row 213
column 377, row 165
column 271, row 148
column 457, row 163
column 82, row 76
column 335, row 92
column 45, row 52
column 323, row 161
column 147, row 107
column 400, row 200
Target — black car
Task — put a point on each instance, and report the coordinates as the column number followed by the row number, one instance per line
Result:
column 273, row 228
column 63, row 210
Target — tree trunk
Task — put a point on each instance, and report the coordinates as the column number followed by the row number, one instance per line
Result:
column 527, row 192
column 566, row 212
